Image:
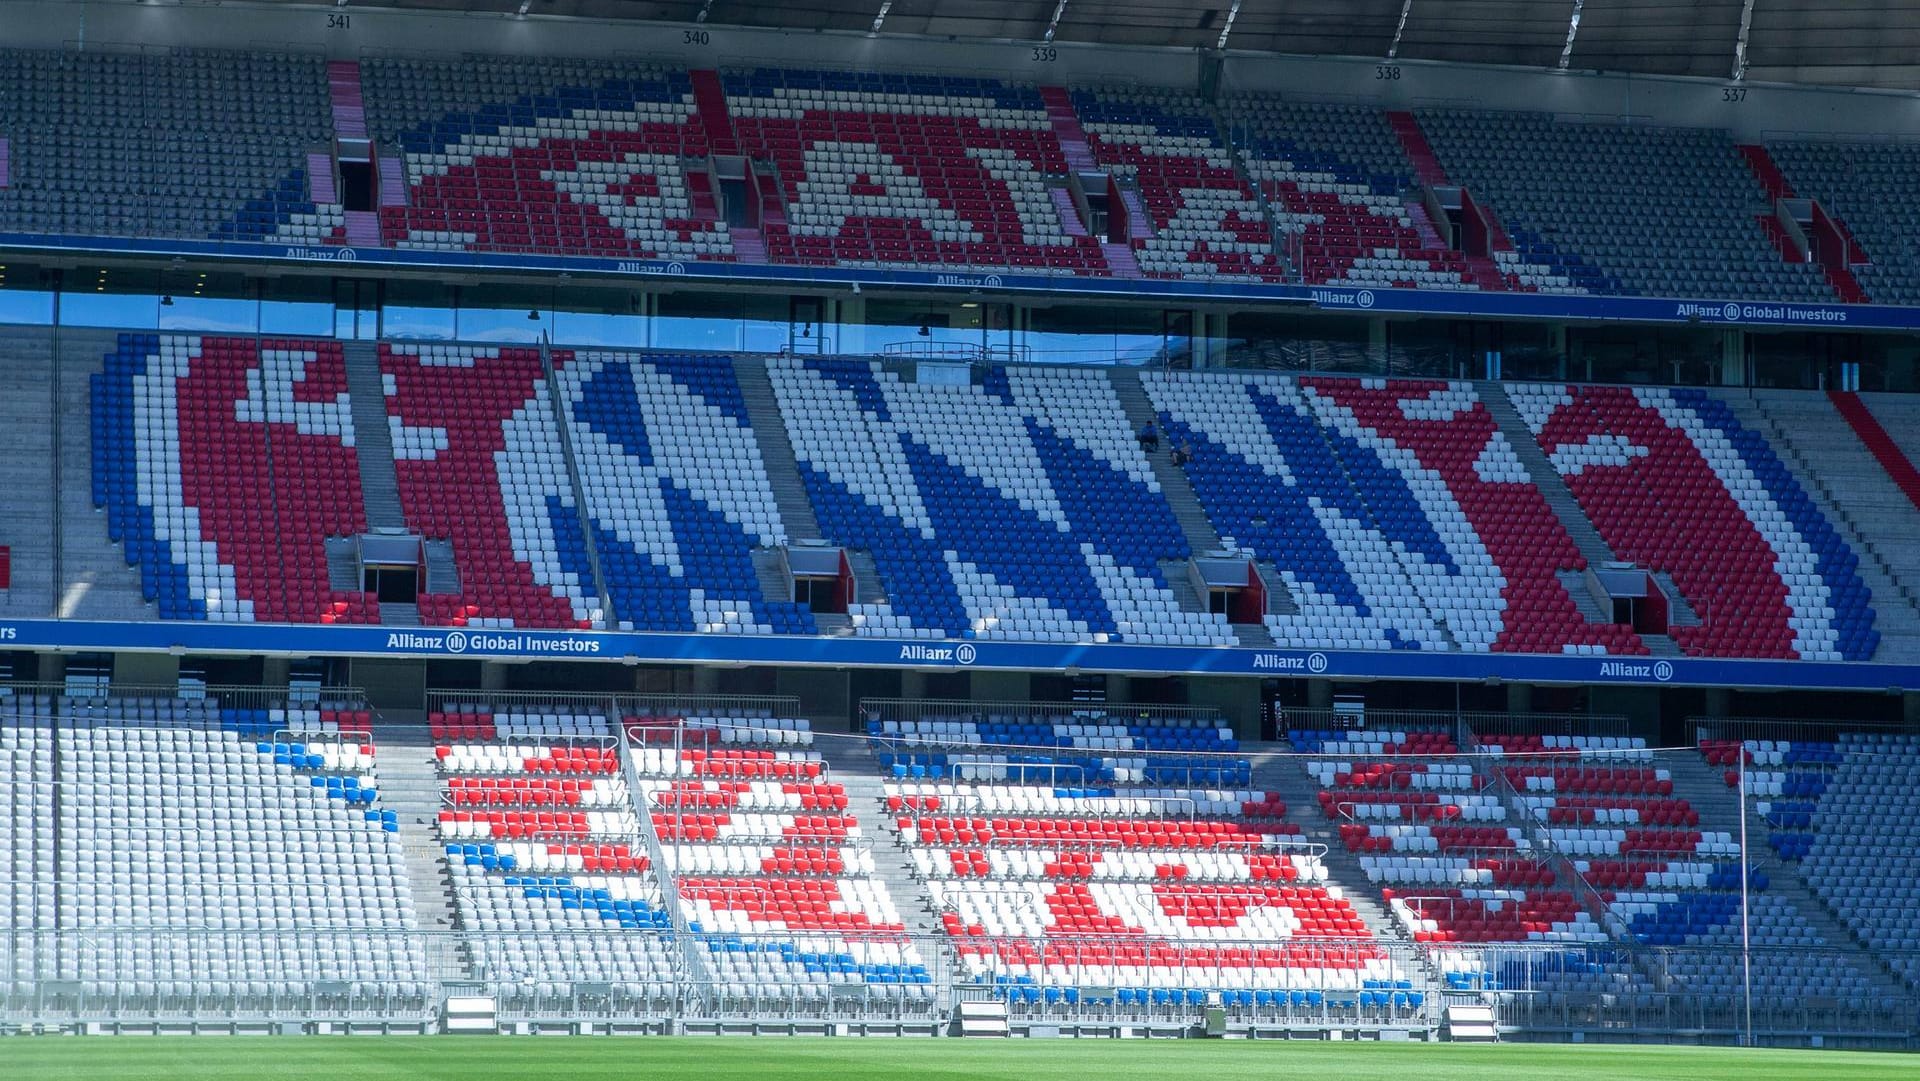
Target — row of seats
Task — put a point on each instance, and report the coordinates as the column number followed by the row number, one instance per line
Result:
column 1128, row 897
column 1338, row 180
column 224, row 466
column 529, row 885
column 1757, row 564
column 614, row 158
column 601, row 169
column 1394, row 513
column 183, row 814
column 1667, row 871
column 1203, row 220
column 677, row 495
column 944, row 173
column 752, row 855
column 159, row 143
column 1016, row 508
column 1386, row 514
column 478, row 457
column 178, row 839
column 1434, row 838
column 1841, row 813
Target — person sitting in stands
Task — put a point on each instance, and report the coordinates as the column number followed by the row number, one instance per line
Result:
column 1183, row 454
column 1149, row 438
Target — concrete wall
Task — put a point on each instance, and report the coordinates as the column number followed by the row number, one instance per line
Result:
column 146, row 669
column 1238, row 698
column 1002, row 686
column 822, row 693
column 390, row 684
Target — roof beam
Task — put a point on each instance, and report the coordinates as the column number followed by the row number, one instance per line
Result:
column 705, row 10
column 1393, row 48
column 1053, row 24
column 881, row 17
column 1573, row 30
column 1227, row 30
column 1740, row 42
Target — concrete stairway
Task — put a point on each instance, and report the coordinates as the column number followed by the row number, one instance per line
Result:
column 363, row 228
column 443, row 573
column 1120, row 259
column 748, row 245
column 1593, row 548
column 1199, row 530
column 27, row 469
column 399, row 614
column 1139, row 221
column 94, row 580
column 321, row 188
column 343, row 566
column 1275, row 770
column 1584, row 601
column 1280, row 600
column 1068, row 210
column 1705, row 788
column 373, row 437
column 410, row 786
column 393, row 178
column 775, row 583
column 344, row 94
column 867, row 587
column 851, row 765
column 776, row 451
column 1661, row 645
column 1680, row 611
column 1544, row 476
column 1065, row 122
column 1851, row 488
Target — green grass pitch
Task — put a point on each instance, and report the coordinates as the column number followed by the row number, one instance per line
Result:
column 852, row 1059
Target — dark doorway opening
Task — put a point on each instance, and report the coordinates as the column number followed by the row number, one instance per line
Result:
column 392, row 583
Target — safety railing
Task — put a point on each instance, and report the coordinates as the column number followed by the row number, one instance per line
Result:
column 707, row 705
column 70, row 699
column 1732, row 729
column 394, row 976
column 920, row 709
column 1545, row 724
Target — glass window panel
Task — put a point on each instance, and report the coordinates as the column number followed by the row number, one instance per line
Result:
column 26, row 295
column 419, row 311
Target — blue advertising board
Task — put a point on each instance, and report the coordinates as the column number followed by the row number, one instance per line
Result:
column 1456, row 304
column 740, row 650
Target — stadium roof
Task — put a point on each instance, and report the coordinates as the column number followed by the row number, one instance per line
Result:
column 1829, row 42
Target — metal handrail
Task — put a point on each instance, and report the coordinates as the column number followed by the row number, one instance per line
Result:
column 914, row 709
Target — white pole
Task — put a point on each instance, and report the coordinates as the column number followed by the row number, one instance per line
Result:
column 1746, row 924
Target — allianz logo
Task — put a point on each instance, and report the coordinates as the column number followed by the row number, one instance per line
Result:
column 333, row 255
column 1340, row 298
column 964, row 653
column 1314, row 663
column 975, row 281
column 1660, row 671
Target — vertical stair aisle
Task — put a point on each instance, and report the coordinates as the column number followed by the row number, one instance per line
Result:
column 410, row 784
column 1080, row 159
column 373, row 437
column 350, row 122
